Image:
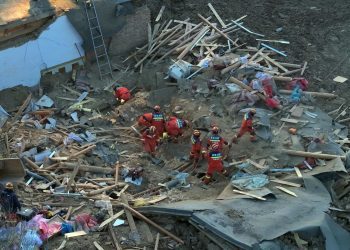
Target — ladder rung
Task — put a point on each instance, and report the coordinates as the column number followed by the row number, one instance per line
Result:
column 104, row 64
column 107, row 73
column 95, row 37
column 101, row 55
column 91, row 18
column 95, row 27
column 99, row 46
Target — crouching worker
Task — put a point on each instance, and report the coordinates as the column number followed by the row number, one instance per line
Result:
column 215, row 163
column 247, row 126
column 150, row 141
column 121, row 94
column 174, row 127
column 9, row 202
column 196, row 148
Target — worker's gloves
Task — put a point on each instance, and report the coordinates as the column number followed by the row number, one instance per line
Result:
column 122, row 101
column 165, row 135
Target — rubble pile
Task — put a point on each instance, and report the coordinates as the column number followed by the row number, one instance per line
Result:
column 80, row 173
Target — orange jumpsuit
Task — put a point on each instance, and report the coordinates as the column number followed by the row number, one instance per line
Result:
column 145, row 120
column 215, row 164
column 215, row 138
column 150, row 142
column 174, row 127
column 158, row 122
column 122, row 93
column 247, row 125
column 196, row 148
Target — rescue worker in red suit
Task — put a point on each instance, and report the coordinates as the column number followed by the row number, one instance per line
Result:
column 215, row 163
column 196, row 148
column 150, row 140
column 122, row 94
column 247, row 126
column 175, row 126
column 145, row 120
column 214, row 137
column 158, row 121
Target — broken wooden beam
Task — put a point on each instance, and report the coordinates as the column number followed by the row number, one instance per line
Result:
column 286, row 191
column 114, row 217
column 292, row 184
column 313, row 155
column 74, row 234
column 88, row 168
column 316, row 94
column 216, row 29
column 161, row 229
column 23, row 106
column 243, row 86
column 217, row 15
column 133, row 228
column 114, row 237
column 101, row 190
column 249, row 194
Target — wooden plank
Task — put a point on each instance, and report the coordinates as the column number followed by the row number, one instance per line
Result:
column 273, row 62
column 23, row 106
column 144, row 228
column 98, row 247
column 160, row 14
column 303, row 69
column 297, row 171
column 74, row 234
column 311, row 154
column 249, row 194
column 195, row 40
column 255, row 164
column 114, row 237
column 72, row 176
column 63, row 244
column 114, row 217
column 123, row 190
column 286, row 191
column 117, row 165
column 157, row 242
column 69, row 212
column 292, row 184
column 149, row 33
column 273, row 158
column 130, row 219
column 217, row 15
column 216, row 29
column 294, row 121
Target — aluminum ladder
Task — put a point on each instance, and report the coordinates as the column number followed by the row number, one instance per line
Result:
column 103, row 63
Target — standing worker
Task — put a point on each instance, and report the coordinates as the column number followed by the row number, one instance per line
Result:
column 196, row 148
column 215, row 163
column 122, row 94
column 150, row 140
column 174, row 127
column 9, row 202
column 214, row 137
column 158, row 120
column 247, row 126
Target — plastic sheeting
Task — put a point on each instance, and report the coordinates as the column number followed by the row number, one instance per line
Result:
column 260, row 221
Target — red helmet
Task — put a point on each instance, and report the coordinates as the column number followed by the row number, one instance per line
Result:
column 156, row 108
column 215, row 129
column 152, row 129
column 215, row 147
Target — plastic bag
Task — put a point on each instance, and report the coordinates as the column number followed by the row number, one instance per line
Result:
column 249, row 182
column 31, row 240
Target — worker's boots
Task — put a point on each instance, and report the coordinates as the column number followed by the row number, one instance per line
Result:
column 225, row 173
column 206, row 179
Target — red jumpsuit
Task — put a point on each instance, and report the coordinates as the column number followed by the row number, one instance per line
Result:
column 174, row 127
column 150, row 142
column 215, row 164
column 122, row 93
column 158, row 122
column 215, row 138
column 247, row 125
column 196, row 148
column 145, row 120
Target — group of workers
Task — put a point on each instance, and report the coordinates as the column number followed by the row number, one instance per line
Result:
column 157, row 127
